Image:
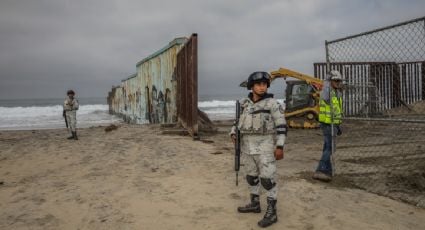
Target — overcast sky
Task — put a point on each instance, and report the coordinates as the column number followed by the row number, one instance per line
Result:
column 49, row 46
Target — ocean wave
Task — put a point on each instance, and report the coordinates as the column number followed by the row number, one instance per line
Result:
column 46, row 111
column 38, row 117
column 42, row 117
column 215, row 103
column 219, row 110
column 223, row 104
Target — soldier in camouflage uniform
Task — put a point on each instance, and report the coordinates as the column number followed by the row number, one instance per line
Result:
column 263, row 130
column 70, row 107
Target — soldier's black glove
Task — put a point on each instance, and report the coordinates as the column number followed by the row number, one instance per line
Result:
column 64, row 113
column 339, row 131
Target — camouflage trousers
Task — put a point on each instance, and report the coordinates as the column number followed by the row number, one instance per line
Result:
column 262, row 166
column 71, row 118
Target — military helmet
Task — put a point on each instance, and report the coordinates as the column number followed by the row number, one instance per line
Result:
column 257, row 77
column 70, row 92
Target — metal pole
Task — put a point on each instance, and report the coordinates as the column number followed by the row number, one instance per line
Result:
column 328, row 64
column 378, row 30
column 328, row 70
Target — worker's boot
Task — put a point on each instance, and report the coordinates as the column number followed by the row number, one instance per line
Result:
column 271, row 216
column 254, row 206
column 322, row 177
column 75, row 135
column 71, row 137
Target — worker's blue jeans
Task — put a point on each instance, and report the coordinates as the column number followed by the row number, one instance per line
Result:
column 325, row 164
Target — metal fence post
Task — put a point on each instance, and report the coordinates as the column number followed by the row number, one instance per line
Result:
column 384, row 115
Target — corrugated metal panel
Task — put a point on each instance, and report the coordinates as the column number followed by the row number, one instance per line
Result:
column 158, row 85
column 164, row 89
column 187, row 86
column 150, row 94
column 374, row 87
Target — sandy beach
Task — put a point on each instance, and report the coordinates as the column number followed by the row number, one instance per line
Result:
column 135, row 177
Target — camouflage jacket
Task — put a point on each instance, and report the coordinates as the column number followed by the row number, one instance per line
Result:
column 70, row 105
column 264, row 117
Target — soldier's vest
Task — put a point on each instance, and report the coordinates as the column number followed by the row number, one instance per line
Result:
column 325, row 112
column 256, row 118
column 68, row 107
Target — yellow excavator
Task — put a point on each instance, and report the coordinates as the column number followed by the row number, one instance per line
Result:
column 302, row 98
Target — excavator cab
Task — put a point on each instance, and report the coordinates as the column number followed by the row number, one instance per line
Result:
column 302, row 98
column 302, row 105
column 299, row 95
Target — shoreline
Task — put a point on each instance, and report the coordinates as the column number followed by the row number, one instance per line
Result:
column 64, row 128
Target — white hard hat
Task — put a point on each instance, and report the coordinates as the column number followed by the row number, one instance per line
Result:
column 335, row 75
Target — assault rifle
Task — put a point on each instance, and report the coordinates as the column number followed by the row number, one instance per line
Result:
column 64, row 116
column 237, row 142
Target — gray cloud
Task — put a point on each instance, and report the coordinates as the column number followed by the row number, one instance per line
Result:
column 47, row 47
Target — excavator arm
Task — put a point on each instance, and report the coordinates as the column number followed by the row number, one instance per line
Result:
column 284, row 73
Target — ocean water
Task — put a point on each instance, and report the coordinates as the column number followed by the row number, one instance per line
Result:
column 28, row 114
column 222, row 107
column 218, row 107
column 25, row 114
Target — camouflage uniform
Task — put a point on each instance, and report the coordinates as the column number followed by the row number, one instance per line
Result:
column 70, row 107
column 263, row 129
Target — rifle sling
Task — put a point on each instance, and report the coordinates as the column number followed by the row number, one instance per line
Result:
column 261, row 111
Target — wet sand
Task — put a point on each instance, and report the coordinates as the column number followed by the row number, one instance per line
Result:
column 134, row 177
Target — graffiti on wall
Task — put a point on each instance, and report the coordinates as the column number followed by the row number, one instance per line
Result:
column 158, row 105
column 164, row 88
column 149, row 95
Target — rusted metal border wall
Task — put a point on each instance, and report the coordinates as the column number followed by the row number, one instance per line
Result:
column 164, row 89
column 374, row 87
column 116, row 101
column 157, row 84
column 187, row 86
column 412, row 82
column 149, row 95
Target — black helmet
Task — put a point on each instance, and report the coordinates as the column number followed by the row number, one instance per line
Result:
column 257, row 77
column 70, row 92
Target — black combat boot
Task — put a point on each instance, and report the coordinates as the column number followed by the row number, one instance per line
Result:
column 254, row 206
column 75, row 135
column 271, row 216
column 72, row 136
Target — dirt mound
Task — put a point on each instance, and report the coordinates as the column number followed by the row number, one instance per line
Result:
column 417, row 108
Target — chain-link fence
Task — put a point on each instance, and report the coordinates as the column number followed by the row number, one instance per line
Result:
column 382, row 149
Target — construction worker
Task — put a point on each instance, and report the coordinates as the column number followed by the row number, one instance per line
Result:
column 70, row 107
column 263, row 130
column 330, row 115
